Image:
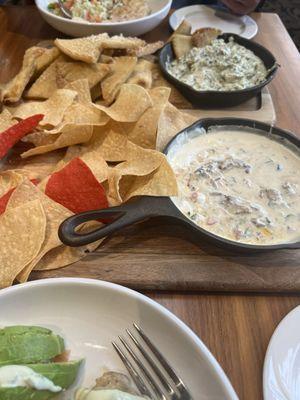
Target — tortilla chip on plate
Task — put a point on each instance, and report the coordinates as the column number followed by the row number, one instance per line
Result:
column 85, row 49
column 82, row 87
column 70, row 134
column 13, row 90
column 22, row 231
column 184, row 28
column 121, row 69
column 53, row 109
column 121, row 42
column 181, row 44
column 147, row 49
column 144, row 131
column 44, row 60
column 130, row 104
column 6, row 120
column 170, row 123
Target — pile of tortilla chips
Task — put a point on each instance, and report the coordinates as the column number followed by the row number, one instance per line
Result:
column 93, row 115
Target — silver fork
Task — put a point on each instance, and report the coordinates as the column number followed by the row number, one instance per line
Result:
column 153, row 375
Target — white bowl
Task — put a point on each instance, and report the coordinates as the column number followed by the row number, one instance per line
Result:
column 136, row 27
column 89, row 314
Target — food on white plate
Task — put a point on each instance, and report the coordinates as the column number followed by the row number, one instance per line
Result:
column 33, row 364
column 103, row 11
column 217, row 66
column 110, row 386
column 239, row 184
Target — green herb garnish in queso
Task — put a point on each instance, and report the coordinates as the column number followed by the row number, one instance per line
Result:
column 32, row 364
column 239, row 184
column 219, row 66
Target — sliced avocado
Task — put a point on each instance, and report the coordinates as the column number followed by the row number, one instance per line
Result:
column 61, row 374
column 22, row 393
column 28, row 344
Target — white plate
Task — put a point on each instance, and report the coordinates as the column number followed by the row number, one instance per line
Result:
column 136, row 27
column 91, row 313
column 282, row 361
column 203, row 17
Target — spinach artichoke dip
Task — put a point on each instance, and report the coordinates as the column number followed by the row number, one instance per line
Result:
column 239, row 184
column 219, row 66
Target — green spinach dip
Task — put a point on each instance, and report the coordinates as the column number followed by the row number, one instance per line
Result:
column 219, row 66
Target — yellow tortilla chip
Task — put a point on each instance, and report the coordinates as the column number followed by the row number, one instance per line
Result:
column 44, row 60
column 46, row 83
column 67, row 72
column 81, row 86
column 181, row 44
column 55, row 215
column 184, row 28
column 70, row 135
column 121, row 69
column 9, row 179
column 147, row 49
column 6, row 120
column 53, row 109
column 142, row 74
column 22, row 231
column 204, row 36
column 130, row 104
column 121, row 42
column 13, row 90
column 85, row 49
column 170, row 123
column 143, row 132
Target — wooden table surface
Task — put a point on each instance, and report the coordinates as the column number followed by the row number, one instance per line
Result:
column 236, row 327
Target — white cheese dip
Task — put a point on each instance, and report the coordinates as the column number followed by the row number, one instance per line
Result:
column 219, row 66
column 12, row 376
column 239, row 184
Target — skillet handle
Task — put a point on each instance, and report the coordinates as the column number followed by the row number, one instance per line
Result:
column 123, row 215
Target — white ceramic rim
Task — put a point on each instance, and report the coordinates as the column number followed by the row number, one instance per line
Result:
column 251, row 27
column 268, row 352
column 212, row 362
column 122, row 23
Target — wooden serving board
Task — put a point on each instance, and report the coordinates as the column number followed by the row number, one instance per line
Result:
column 164, row 256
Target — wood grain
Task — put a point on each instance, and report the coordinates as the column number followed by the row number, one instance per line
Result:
column 236, row 328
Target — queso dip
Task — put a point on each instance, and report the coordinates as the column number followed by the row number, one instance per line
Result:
column 239, row 183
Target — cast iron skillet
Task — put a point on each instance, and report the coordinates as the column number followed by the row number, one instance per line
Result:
column 149, row 206
column 214, row 98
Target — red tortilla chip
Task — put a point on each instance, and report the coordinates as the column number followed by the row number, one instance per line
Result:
column 5, row 198
column 12, row 135
column 76, row 188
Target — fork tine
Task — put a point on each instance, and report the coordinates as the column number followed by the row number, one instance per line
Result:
column 146, row 373
column 134, row 375
column 169, row 370
column 157, row 371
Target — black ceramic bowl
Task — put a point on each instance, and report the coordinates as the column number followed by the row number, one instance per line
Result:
column 214, row 98
column 146, row 207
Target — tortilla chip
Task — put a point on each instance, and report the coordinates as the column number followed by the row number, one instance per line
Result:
column 143, row 132
column 46, row 84
column 44, row 60
column 184, row 28
column 170, row 123
column 143, row 79
column 96, row 92
column 67, row 72
column 22, row 231
column 70, row 134
column 121, row 42
column 40, row 138
column 6, row 120
column 53, row 109
column 55, row 215
column 147, row 49
column 121, row 69
column 13, row 90
column 161, row 182
column 181, row 44
column 9, row 180
column 110, row 144
column 85, row 49
column 204, row 36
column 81, row 86
column 130, row 104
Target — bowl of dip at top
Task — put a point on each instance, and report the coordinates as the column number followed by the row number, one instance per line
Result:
column 127, row 17
column 228, row 72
